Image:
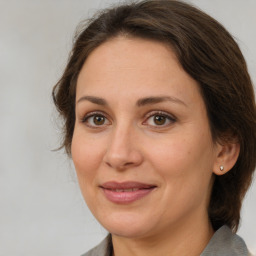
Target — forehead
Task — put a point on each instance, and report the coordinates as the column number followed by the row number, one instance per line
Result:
column 135, row 66
column 129, row 53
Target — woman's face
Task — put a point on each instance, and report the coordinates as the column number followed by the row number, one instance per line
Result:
column 142, row 146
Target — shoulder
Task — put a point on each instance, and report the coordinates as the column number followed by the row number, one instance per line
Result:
column 225, row 242
column 102, row 249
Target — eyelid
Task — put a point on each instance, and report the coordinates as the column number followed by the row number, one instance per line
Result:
column 94, row 113
column 171, row 117
column 160, row 112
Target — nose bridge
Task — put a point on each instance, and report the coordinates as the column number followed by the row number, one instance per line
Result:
column 122, row 148
column 121, row 137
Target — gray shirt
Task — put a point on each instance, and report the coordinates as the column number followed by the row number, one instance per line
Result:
column 223, row 243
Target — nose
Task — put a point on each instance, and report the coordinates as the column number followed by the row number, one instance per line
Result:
column 123, row 149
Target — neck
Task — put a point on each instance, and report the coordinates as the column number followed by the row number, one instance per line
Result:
column 186, row 240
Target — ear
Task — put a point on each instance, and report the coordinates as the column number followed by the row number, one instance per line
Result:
column 227, row 155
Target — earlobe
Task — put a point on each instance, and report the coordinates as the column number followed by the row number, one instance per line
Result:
column 227, row 155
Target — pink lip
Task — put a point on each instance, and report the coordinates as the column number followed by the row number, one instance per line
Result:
column 117, row 192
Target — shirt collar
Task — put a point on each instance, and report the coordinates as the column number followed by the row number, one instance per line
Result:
column 224, row 242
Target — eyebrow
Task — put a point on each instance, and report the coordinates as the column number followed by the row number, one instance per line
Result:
column 93, row 99
column 159, row 99
column 139, row 103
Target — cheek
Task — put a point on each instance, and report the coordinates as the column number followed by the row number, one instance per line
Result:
column 86, row 157
column 170, row 155
column 185, row 169
column 184, row 154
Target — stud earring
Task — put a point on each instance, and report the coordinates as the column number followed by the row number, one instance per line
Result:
column 221, row 167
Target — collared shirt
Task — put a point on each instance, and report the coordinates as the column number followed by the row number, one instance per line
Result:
column 223, row 243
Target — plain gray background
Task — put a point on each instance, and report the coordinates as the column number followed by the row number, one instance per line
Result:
column 42, row 211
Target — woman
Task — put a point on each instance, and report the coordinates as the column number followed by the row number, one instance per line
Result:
column 159, row 115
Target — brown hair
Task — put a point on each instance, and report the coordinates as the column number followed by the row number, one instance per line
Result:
column 209, row 54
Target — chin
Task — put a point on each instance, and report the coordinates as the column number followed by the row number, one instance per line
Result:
column 126, row 225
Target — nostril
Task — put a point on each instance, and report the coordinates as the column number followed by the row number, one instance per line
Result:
column 129, row 163
column 119, row 166
column 118, row 157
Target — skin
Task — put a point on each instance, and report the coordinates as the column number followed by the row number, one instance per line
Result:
column 178, row 156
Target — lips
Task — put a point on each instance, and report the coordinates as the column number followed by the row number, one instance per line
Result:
column 126, row 192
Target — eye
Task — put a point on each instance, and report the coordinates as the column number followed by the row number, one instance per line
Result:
column 159, row 119
column 95, row 120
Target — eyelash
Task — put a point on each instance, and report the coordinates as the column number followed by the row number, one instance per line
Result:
column 168, row 118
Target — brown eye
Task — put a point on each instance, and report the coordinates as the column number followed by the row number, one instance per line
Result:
column 98, row 120
column 159, row 120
